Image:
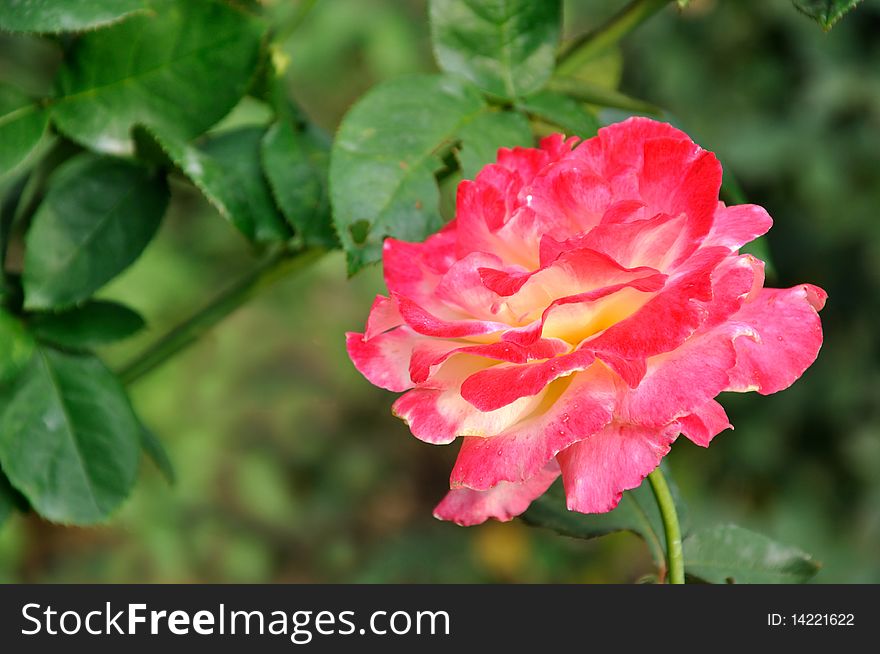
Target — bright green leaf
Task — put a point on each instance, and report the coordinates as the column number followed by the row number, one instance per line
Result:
column 90, row 325
column 506, row 47
column 384, row 157
column 562, row 111
column 181, row 69
column 69, row 440
column 49, row 16
column 825, row 12
column 22, row 125
column 158, row 455
column 296, row 165
column 731, row 554
column 482, row 137
column 227, row 169
column 96, row 219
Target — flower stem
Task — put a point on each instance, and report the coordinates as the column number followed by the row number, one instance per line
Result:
column 273, row 268
column 615, row 28
column 674, row 555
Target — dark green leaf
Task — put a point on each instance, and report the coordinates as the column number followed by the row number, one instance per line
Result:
column 96, row 219
column 227, row 169
column 94, row 323
column 825, row 12
column 560, row 110
column 384, row 157
column 637, row 513
column 506, row 47
column 482, row 137
column 48, row 16
column 181, row 69
column 731, row 554
column 296, row 165
column 22, row 125
column 550, row 511
column 158, row 455
column 69, row 440
column 238, row 154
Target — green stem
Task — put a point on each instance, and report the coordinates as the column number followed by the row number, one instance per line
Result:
column 273, row 268
column 674, row 555
column 615, row 28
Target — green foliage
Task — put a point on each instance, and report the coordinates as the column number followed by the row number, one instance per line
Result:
column 98, row 216
column 381, row 176
column 180, row 69
column 144, row 82
column 296, row 164
column 722, row 554
column 90, row 325
column 22, row 125
column 481, row 138
column 561, row 110
column 237, row 154
column 50, row 16
column 636, row 513
column 825, row 12
column 731, row 554
column 506, row 47
column 226, row 168
column 69, row 440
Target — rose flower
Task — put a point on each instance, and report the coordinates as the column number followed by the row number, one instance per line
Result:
column 583, row 309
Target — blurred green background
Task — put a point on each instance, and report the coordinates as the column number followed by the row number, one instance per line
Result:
column 290, row 466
